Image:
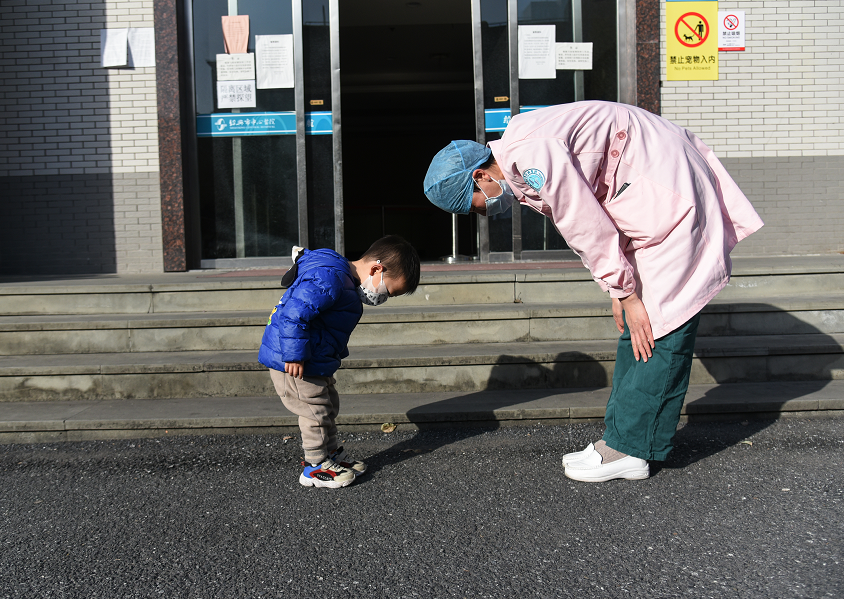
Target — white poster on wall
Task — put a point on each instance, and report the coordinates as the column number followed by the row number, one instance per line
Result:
column 113, row 47
column 235, row 94
column 274, row 61
column 235, row 67
column 141, row 47
column 574, row 57
column 537, row 55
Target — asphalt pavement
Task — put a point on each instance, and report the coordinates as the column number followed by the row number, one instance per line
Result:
column 750, row 509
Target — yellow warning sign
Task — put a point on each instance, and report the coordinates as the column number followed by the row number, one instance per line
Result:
column 691, row 38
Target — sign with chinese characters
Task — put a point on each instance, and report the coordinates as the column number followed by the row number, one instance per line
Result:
column 261, row 123
column 236, row 94
column 575, row 57
column 236, row 33
column 235, row 67
column 691, row 42
column 537, row 55
column 274, row 56
column 731, row 30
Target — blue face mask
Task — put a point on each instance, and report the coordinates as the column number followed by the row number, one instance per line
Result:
column 500, row 203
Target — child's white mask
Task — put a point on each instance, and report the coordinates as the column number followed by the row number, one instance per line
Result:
column 371, row 296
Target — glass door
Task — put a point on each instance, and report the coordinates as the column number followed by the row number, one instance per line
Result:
column 503, row 92
column 272, row 168
column 265, row 119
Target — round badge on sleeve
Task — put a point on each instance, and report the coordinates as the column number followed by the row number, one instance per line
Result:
column 534, row 177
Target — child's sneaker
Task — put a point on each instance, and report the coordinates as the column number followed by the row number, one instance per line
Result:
column 342, row 457
column 328, row 474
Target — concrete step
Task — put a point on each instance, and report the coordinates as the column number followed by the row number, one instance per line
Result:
column 29, row 422
column 507, row 323
column 753, row 278
column 409, row 369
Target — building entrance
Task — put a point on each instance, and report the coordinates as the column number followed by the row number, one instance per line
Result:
column 407, row 89
column 332, row 152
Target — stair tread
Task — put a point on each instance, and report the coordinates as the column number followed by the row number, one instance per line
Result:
column 459, row 312
column 412, row 355
column 223, row 412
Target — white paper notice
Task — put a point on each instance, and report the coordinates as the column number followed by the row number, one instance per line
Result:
column 235, row 94
column 574, row 57
column 274, row 60
column 536, row 52
column 235, row 67
column 731, row 30
column 141, row 47
column 113, row 47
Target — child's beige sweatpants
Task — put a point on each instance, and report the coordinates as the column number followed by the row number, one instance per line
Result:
column 316, row 402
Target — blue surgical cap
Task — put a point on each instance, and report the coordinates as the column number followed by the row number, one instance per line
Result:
column 448, row 183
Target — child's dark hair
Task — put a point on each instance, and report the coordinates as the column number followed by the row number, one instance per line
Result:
column 398, row 258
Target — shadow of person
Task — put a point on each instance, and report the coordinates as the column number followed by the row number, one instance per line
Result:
column 751, row 379
column 754, row 378
column 514, row 382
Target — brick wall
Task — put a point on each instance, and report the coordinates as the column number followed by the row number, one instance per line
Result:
column 776, row 119
column 68, row 122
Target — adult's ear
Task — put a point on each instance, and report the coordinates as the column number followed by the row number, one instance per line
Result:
column 480, row 174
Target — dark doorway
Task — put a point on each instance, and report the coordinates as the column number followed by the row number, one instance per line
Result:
column 407, row 86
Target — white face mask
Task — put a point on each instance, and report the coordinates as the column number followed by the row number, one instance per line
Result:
column 371, row 296
column 500, row 203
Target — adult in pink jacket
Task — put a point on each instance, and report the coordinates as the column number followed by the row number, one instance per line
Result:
column 652, row 214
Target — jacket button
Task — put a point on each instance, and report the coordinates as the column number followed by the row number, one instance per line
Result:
column 621, row 135
column 614, row 153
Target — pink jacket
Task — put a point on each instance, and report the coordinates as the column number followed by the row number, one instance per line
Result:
column 643, row 202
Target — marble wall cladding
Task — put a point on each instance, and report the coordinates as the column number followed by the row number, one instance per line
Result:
column 647, row 55
column 173, row 232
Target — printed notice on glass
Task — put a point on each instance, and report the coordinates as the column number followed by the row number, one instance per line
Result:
column 574, row 57
column 274, row 61
column 141, row 47
column 236, row 33
column 537, row 56
column 114, row 47
column 235, row 67
column 235, row 94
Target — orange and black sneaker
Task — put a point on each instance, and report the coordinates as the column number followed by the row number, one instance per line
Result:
column 328, row 474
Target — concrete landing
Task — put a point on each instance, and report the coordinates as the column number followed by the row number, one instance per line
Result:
column 26, row 422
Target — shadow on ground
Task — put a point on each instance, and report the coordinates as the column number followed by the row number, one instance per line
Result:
column 571, row 371
column 574, row 369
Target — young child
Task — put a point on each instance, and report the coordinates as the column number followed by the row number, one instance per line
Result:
column 307, row 336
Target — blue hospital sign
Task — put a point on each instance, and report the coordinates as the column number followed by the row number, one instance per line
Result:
column 496, row 119
column 261, row 123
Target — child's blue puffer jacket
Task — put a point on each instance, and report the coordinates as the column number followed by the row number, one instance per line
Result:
column 315, row 317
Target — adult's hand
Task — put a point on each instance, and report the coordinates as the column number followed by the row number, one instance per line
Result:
column 295, row 369
column 618, row 314
column 639, row 324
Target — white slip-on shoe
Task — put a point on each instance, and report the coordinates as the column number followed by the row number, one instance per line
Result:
column 591, row 469
column 576, row 456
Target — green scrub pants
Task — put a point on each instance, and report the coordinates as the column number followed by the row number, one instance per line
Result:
column 646, row 399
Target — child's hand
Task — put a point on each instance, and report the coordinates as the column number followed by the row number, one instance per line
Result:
column 295, row 369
